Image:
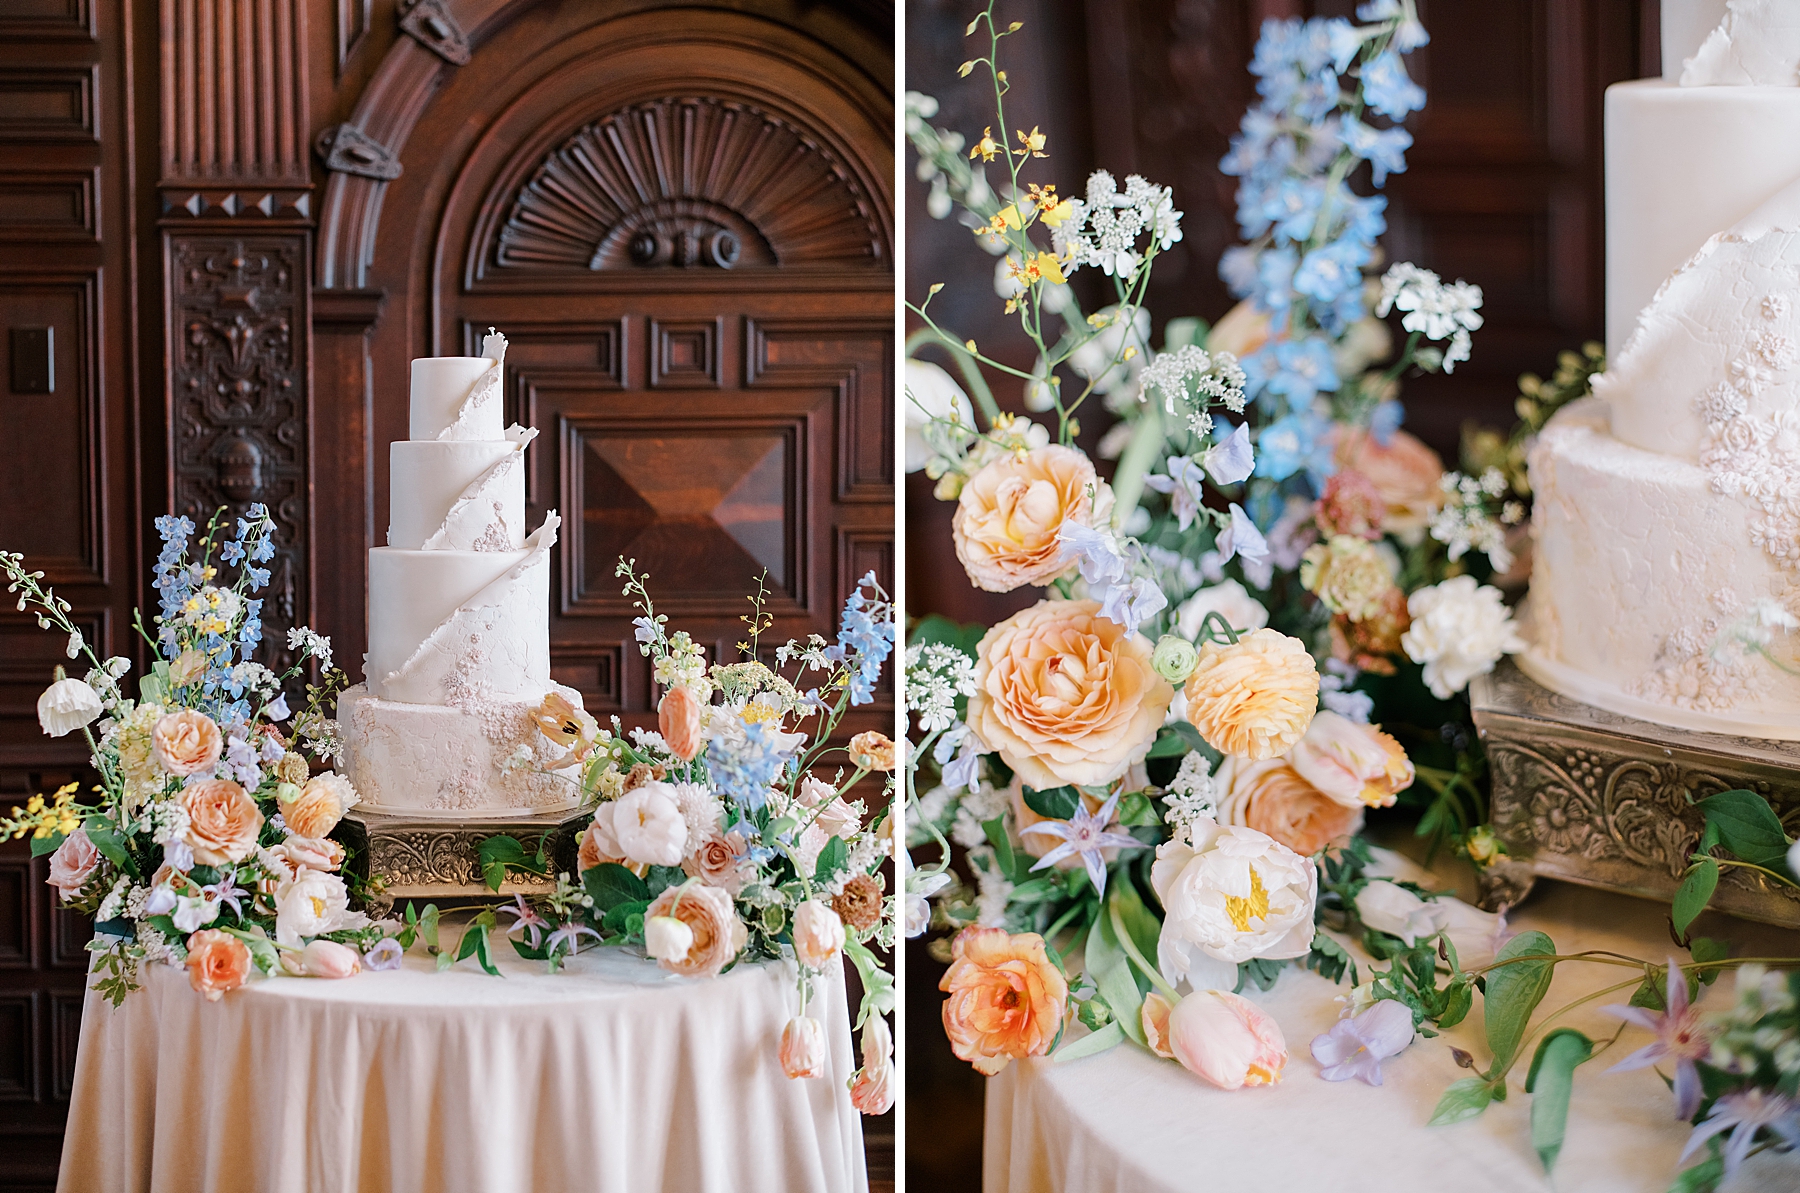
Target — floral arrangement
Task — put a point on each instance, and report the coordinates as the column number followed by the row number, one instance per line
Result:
column 713, row 840
column 1258, row 631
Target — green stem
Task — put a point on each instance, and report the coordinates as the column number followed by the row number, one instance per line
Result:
column 1131, row 950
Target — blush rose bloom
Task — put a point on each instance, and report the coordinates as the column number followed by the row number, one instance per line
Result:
column 818, row 934
column 872, row 1089
column 717, row 861
column 216, row 962
column 73, row 864
column 803, row 1048
column 1254, row 697
column 646, row 824
column 1357, row 765
column 186, row 742
column 1229, row 895
column 1225, row 1039
column 1008, row 514
column 1405, row 473
column 1065, row 696
column 316, row 809
column 1273, row 798
column 680, row 718
column 1006, row 998
column 708, row 912
column 223, row 821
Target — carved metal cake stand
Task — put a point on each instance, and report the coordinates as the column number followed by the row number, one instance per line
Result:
column 1597, row 798
column 435, row 861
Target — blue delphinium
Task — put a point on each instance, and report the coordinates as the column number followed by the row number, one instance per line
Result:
column 745, row 770
column 865, row 639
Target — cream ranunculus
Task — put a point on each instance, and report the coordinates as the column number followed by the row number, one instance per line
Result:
column 1009, row 513
column 1254, row 697
column 310, row 903
column 667, row 939
column 1459, row 630
column 1064, row 695
column 1230, row 895
column 1357, row 765
column 66, row 706
column 647, row 825
column 1385, row 907
column 186, row 742
column 223, row 821
column 708, row 912
column 317, row 807
column 818, row 934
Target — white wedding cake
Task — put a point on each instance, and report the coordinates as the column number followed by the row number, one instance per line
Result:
column 1667, row 516
column 459, row 613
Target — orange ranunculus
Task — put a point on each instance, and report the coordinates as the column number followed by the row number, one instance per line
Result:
column 1006, row 998
column 679, row 718
column 216, row 962
column 1273, row 798
column 1065, row 695
column 318, row 806
column 1254, row 697
column 872, row 751
column 1008, row 515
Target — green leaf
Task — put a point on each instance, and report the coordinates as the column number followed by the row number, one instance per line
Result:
column 1004, row 857
column 834, row 857
column 110, row 844
column 1263, row 972
column 1695, row 893
column 154, row 687
column 1748, row 827
column 1094, row 1042
column 1550, row 1082
column 1513, row 993
column 1464, row 1100
column 42, row 845
column 1705, row 949
column 262, row 949
column 1136, row 808
column 428, row 926
column 1649, row 994
column 1038, row 890
column 1140, row 921
column 938, row 628
column 1056, row 803
column 1458, row 999
column 1172, row 741
column 611, row 884
column 1703, row 1177
column 1331, row 959
column 618, row 919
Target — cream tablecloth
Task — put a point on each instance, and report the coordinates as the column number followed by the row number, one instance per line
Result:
column 1125, row 1122
column 612, row 1075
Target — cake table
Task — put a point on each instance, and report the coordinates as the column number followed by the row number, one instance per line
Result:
column 612, row 1075
column 1126, row 1122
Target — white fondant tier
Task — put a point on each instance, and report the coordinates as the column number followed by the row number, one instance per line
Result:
column 456, row 397
column 1683, row 163
column 432, row 761
column 457, row 495
column 445, row 626
column 1640, row 570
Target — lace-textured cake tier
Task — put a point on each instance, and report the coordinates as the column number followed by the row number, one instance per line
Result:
column 459, row 612
column 1666, row 578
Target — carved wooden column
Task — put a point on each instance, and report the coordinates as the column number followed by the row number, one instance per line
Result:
column 236, row 220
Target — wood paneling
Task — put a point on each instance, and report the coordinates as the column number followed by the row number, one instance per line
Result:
column 50, row 105
column 40, row 205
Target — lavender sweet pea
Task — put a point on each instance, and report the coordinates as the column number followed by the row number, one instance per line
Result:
column 1355, row 1047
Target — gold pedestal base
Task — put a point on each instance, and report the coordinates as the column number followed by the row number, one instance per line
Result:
column 414, row 858
column 1602, row 799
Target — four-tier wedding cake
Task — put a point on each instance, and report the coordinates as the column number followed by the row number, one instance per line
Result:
column 1667, row 519
column 459, row 613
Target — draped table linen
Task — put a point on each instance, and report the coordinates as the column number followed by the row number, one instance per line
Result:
column 1125, row 1122
column 612, row 1075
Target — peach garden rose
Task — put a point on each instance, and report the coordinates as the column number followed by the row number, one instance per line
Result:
column 216, row 962
column 318, row 806
column 1008, row 514
column 681, row 721
column 186, row 742
column 223, row 821
column 1274, row 798
column 1006, row 997
column 707, row 911
column 1064, row 695
column 1254, row 697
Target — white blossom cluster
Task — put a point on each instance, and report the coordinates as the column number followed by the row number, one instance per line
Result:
column 166, row 821
column 1192, row 378
column 936, row 675
column 1192, row 794
column 993, row 889
column 311, row 644
column 1104, row 229
column 1464, row 523
column 1434, row 308
column 104, row 679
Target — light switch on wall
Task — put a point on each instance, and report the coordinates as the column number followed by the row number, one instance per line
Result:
column 33, row 360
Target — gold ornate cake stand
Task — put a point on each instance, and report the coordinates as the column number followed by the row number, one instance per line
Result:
column 1601, row 799
column 435, row 861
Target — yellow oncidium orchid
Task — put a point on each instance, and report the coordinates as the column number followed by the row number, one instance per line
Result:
column 987, row 148
column 1033, row 142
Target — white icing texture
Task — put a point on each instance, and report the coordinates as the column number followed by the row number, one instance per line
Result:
column 1756, row 44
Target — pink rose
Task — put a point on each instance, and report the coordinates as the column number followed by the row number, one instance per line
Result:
column 718, row 861
column 1008, row 515
column 223, row 821
column 309, row 853
column 708, row 912
column 216, row 962
column 1225, row 1039
column 73, row 864
column 186, row 742
column 803, row 1048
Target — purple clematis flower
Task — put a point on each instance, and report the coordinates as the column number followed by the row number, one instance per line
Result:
column 1355, row 1047
column 1085, row 834
column 1680, row 1036
column 387, row 954
column 569, row 934
column 1743, row 1114
column 524, row 917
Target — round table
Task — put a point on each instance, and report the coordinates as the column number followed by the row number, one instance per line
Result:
column 611, row 1075
column 1126, row 1122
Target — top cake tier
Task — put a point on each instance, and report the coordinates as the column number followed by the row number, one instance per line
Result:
column 456, row 398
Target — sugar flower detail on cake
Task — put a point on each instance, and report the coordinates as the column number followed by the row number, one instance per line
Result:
column 1757, row 44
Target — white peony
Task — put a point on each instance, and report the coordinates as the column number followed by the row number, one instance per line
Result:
column 1229, row 600
column 311, row 903
column 1459, row 630
column 930, row 393
column 67, row 705
column 1395, row 910
column 647, row 825
column 1230, row 895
